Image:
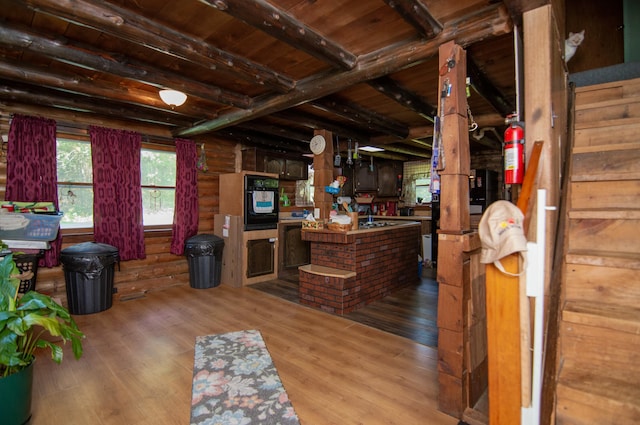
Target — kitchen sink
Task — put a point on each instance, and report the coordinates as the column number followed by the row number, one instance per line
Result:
column 374, row 224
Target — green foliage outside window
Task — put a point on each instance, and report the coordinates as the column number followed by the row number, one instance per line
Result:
column 75, row 184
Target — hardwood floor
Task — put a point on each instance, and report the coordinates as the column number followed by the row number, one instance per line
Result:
column 138, row 359
column 410, row 312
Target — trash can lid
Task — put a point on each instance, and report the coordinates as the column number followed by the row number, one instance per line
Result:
column 204, row 239
column 90, row 248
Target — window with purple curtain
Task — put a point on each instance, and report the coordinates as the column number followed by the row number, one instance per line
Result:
column 31, row 168
column 117, row 194
column 185, row 214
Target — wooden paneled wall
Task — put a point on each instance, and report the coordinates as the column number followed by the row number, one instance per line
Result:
column 603, row 23
column 159, row 269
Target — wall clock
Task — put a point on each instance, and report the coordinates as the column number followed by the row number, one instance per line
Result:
column 317, row 144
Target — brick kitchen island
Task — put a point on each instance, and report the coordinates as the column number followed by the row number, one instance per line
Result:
column 351, row 269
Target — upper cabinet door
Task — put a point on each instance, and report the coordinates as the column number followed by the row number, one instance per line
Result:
column 366, row 179
column 296, row 169
column 286, row 166
column 347, row 187
column 388, row 172
column 275, row 165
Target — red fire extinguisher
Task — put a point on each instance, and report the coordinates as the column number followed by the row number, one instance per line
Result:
column 514, row 151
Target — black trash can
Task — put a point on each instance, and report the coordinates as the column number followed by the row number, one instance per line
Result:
column 88, row 274
column 204, row 255
column 27, row 263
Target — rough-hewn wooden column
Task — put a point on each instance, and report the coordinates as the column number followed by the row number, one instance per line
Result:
column 453, row 263
column 323, row 175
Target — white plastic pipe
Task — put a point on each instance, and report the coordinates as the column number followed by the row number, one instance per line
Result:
column 530, row 415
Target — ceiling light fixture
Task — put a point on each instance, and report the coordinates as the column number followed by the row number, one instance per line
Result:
column 173, row 98
column 371, row 149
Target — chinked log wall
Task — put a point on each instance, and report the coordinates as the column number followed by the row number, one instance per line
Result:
column 160, row 269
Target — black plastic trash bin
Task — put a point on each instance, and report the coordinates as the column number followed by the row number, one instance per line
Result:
column 88, row 274
column 204, row 255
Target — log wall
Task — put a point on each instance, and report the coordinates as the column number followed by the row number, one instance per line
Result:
column 159, row 269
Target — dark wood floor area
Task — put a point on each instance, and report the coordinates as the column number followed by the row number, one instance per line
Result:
column 410, row 312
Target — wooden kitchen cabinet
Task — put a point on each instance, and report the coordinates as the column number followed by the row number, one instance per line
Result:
column 365, row 179
column 388, row 172
column 286, row 166
column 347, row 187
column 273, row 165
column 294, row 251
column 296, row 169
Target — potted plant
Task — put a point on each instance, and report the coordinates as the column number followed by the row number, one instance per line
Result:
column 25, row 321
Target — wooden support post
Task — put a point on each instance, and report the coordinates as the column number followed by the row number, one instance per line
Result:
column 323, row 176
column 454, row 179
column 453, row 263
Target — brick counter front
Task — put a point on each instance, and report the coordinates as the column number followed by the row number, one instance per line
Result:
column 351, row 269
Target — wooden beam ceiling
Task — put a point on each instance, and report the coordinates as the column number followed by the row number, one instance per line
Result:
column 486, row 23
column 284, row 27
column 123, row 24
column 418, row 15
column 278, row 94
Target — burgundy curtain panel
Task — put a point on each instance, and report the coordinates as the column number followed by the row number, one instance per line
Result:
column 117, row 194
column 185, row 213
column 32, row 170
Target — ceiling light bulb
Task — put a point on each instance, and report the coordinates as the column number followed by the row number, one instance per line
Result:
column 173, row 97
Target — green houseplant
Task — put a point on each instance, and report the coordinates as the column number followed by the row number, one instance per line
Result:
column 25, row 321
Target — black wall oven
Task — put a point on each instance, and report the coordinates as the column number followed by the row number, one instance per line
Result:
column 260, row 202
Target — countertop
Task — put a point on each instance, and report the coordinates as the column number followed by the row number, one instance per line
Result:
column 402, row 217
column 290, row 219
column 393, row 225
column 364, row 217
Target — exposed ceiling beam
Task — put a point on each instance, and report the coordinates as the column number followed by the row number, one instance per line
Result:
column 417, row 14
column 284, row 27
column 118, row 22
column 517, row 7
column 404, row 97
column 84, row 104
column 486, row 23
column 67, row 121
column 90, row 58
column 78, row 85
column 281, row 131
column 485, row 88
column 248, row 137
column 382, row 155
column 358, row 114
column 422, row 153
column 317, row 123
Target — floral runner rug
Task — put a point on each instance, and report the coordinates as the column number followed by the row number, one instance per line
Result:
column 235, row 382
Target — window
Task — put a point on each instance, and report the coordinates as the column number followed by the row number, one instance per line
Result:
column 75, row 184
column 304, row 190
column 158, row 181
column 423, row 192
column 416, row 182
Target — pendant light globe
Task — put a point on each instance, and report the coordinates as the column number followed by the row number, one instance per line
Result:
column 173, row 98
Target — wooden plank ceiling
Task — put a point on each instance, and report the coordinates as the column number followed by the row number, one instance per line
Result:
column 265, row 73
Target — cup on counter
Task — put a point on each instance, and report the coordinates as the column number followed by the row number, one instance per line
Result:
column 354, row 220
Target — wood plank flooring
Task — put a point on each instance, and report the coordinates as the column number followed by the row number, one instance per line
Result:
column 138, row 360
column 410, row 312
